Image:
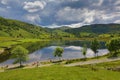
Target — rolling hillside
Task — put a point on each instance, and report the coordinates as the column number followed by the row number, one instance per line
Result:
column 18, row 29
column 95, row 29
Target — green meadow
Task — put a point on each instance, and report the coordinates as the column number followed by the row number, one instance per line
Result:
column 7, row 42
column 59, row 73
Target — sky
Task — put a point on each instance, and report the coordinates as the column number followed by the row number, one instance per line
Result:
column 56, row 13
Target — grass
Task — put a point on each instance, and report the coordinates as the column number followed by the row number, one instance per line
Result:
column 8, row 42
column 59, row 73
column 105, row 65
column 87, row 38
column 81, row 60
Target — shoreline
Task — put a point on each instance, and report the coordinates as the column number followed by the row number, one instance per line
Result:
column 51, row 61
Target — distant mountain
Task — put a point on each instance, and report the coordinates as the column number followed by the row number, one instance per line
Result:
column 59, row 32
column 62, row 28
column 18, row 29
column 96, row 29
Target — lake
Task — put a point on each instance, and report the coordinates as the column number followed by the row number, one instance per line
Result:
column 40, row 51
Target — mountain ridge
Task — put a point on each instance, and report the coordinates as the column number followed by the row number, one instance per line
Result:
column 19, row 29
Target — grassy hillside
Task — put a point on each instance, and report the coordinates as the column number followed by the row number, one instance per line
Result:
column 95, row 29
column 59, row 33
column 63, row 28
column 18, row 29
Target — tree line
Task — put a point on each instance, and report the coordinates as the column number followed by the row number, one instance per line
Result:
column 113, row 45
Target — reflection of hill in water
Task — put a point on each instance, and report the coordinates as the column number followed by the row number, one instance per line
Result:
column 70, row 52
column 72, row 49
column 31, row 46
column 76, row 43
column 36, row 45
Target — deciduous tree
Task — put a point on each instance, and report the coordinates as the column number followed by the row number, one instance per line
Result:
column 58, row 52
column 20, row 54
column 114, row 46
column 94, row 46
column 84, row 50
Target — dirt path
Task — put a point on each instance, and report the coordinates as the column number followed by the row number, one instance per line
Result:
column 30, row 66
column 93, row 61
column 46, row 65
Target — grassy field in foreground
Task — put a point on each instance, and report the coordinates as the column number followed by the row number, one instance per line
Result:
column 57, row 72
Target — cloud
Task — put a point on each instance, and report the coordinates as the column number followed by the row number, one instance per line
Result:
column 56, row 13
column 34, row 6
column 68, row 14
column 97, row 2
column 117, row 2
column 76, row 15
column 76, row 25
column 117, row 21
column 4, row 2
column 35, row 19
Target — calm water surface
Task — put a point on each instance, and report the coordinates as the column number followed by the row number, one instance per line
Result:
column 41, row 51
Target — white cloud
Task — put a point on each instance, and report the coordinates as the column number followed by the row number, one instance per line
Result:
column 117, row 8
column 117, row 21
column 117, row 2
column 4, row 2
column 7, row 2
column 34, row 6
column 97, row 2
column 69, row 14
column 83, row 15
column 100, row 2
column 53, row 26
column 89, row 15
column 110, row 16
column 32, row 18
column 76, row 25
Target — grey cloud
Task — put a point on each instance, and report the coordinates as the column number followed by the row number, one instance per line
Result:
column 62, row 12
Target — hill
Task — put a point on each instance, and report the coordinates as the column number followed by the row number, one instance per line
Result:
column 63, row 28
column 95, row 29
column 18, row 29
column 58, row 33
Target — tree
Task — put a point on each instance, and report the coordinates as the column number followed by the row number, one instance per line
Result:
column 114, row 46
column 20, row 53
column 58, row 52
column 94, row 46
column 84, row 50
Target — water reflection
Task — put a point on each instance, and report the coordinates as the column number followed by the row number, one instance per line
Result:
column 44, row 50
column 70, row 52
